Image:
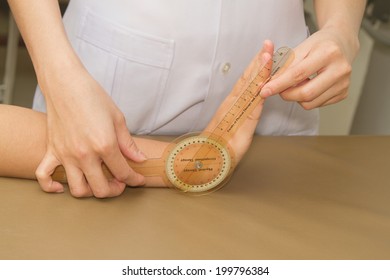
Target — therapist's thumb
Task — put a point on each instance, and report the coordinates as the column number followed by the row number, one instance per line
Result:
column 127, row 144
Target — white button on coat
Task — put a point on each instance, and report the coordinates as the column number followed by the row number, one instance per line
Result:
column 226, row 68
column 161, row 61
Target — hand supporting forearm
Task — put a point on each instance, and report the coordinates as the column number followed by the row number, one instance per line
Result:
column 23, row 143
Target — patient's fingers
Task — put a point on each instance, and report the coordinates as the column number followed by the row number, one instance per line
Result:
column 256, row 65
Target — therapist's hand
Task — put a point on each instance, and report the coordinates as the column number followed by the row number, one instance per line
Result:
column 85, row 129
column 320, row 74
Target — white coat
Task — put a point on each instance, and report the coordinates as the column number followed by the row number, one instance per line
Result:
column 169, row 64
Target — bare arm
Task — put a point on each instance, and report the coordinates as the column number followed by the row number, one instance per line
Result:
column 23, row 143
column 344, row 19
column 346, row 16
column 84, row 126
column 40, row 22
column 328, row 53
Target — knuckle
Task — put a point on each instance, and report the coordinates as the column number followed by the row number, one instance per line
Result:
column 345, row 84
column 45, row 187
column 40, row 173
column 120, row 118
column 122, row 177
column 332, row 50
column 104, row 146
column 307, row 105
column 285, row 97
column 135, row 180
column 81, row 152
column 342, row 87
column 101, row 193
column 307, row 95
column 119, row 189
column 343, row 95
column 346, row 69
column 80, row 192
column 298, row 75
column 122, row 188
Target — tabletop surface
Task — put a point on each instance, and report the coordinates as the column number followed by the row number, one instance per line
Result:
column 290, row 198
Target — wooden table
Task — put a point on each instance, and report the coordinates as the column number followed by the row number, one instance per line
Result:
column 290, row 198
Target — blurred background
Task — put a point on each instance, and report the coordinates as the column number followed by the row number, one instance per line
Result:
column 365, row 111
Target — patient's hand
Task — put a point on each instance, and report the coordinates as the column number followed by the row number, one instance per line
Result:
column 242, row 138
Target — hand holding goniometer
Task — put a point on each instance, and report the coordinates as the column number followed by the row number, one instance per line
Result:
column 202, row 162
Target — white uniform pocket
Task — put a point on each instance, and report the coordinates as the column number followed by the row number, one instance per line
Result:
column 132, row 67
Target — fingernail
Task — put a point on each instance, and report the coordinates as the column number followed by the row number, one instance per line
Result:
column 142, row 181
column 265, row 92
column 141, row 155
column 57, row 187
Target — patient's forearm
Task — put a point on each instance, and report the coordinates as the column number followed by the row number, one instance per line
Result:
column 23, row 143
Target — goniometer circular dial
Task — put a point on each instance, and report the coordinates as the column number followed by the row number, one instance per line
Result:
column 198, row 164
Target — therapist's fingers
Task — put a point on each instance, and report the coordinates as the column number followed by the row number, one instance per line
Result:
column 126, row 142
column 98, row 183
column 328, row 87
column 78, row 185
column 334, row 94
column 336, row 99
column 120, row 169
column 44, row 171
column 130, row 149
column 320, row 74
column 292, row 76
